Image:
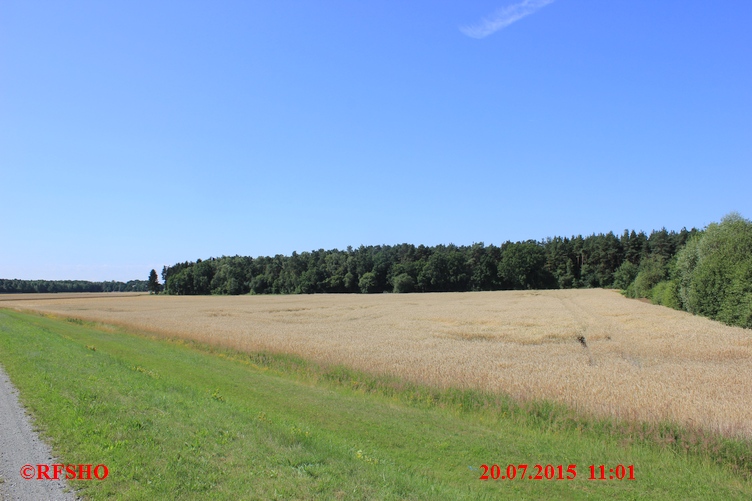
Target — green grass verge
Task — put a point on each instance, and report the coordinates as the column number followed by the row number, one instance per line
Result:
column 174, row 420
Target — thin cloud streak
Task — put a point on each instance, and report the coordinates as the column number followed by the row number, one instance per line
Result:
column 503, row 18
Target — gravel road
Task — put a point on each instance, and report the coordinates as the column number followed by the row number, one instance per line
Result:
column 19, row 446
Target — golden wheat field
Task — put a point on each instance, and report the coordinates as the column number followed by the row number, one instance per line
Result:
column 641, row 361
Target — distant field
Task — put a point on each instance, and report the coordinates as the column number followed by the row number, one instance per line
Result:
column 642, row 362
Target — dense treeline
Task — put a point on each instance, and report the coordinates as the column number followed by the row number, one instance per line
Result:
column 711, row 275
column 706, row 272
column 23, row 286
column 593, row 261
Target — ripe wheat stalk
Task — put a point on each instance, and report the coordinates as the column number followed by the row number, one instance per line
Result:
column 591, row 349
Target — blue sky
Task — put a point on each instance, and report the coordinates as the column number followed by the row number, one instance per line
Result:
column 138, row 134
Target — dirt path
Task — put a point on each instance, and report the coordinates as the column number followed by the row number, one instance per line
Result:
column 19, row 446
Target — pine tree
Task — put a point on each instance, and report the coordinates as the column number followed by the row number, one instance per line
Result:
column 153, row 284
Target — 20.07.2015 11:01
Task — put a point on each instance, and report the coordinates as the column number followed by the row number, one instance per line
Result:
column 551, row 472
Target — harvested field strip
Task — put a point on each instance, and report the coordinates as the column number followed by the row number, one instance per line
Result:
column 641, row 362
column 173, row 421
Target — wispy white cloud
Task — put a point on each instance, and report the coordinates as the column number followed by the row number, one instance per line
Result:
column 503, row 18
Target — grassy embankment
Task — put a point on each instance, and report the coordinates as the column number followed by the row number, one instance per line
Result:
column 184, row 421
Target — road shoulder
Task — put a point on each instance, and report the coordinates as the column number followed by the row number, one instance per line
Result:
column 20, row 445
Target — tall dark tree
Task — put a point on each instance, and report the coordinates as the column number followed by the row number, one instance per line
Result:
column 153, row 284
